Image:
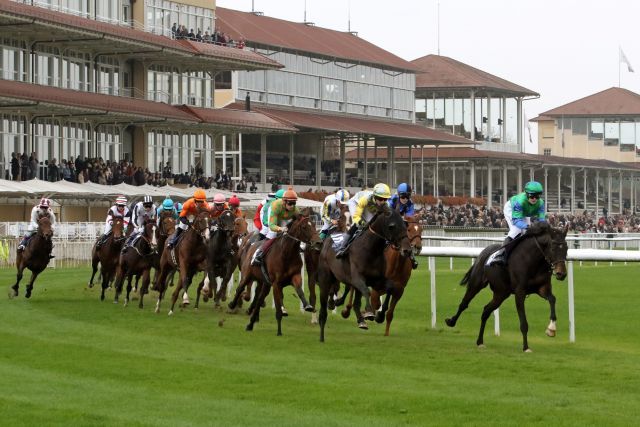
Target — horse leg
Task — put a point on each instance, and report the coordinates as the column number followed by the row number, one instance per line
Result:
column 105, row 284
column 397, row 294
column 524, row 325
column 382, row 310
column 278, row 300
column 471, row 292
column 94, row 268
column 545, row 292
column 120, row 276
column 346, row 311
column 144, row 288
column 126, row 298
column 357, row 309
column 497, row 300
column 341, row 300
column 183, row 274
column 198, row 290
column 296, row 281
column 261, row 294
column 246, row 279
column 221, row 295
column 161, row 285
column 14, row 289
column 27, row 293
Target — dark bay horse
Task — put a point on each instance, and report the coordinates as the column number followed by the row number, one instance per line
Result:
column 220, row 253
column 108, row 255
column 189, row 256
column 137, row 261
column 283, row 266
column 166, row 228
column 535, row 257
column 35, row 256
column 398, row 272
column 364, row 266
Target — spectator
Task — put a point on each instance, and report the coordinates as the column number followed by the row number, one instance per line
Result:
column 15, row 167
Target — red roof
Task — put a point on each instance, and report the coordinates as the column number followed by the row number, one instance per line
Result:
column 614, row 101
column 131, row 35
column 439, row 72
column 542, row 118
column 267, row 31
column 356, row 125
column 237, row 118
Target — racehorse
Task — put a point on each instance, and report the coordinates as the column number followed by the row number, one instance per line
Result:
column 166, row 228
column 188, row 256
column 281, row 266
column 398, row 272
column 137, row 260
column 239, row 233
column 364, row 265
column 35, row 256
column 108, row 255
column 220, row 253
column 535, row 257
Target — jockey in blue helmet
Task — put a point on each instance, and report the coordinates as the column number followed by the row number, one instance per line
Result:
column 166, row 206
column 401, row 201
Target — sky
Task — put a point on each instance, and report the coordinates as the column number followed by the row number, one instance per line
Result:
column 562, row 49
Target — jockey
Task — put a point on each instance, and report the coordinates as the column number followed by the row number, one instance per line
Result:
column 193, row 206
column 167, row 206
column 40, row 210
column 265, row 212
column 363, row 207
column 401, row 201
column 331, row 210
column 234, row 206
column 518, row 212
column 257, row 217
column 280, row 212
column 143, row 211
column 218, row 206
column 119, row 210
column 178, row 207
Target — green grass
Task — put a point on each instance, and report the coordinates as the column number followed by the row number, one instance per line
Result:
column 68, row 359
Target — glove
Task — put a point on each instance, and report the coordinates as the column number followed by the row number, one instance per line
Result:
column 361, row 223
column 283, row 229
column 334, row 221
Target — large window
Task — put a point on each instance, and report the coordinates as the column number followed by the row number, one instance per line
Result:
column 185, row 153
column 162, row 14
column 596, row 129
column 12, row 140
column 611, row 132
column 12, row 60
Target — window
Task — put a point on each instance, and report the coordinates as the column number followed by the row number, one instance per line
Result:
column 547, row 151
column 596, row 129
column 627, row 135
column 223, row 80
column 579, row 126
column 611, row 132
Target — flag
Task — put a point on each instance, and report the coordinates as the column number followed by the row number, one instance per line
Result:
column 623, row 58
column 528, row 127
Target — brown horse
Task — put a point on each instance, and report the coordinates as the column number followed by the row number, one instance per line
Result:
column 364, row 265
column 167, row 226
column 221, row 251
column 188, row 256
column 35, row 256
column 282, row 265
column 108, row 255
column 137, row 260
column 398, row 271
column 535, row 257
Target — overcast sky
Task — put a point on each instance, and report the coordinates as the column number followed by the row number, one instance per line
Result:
column 562, row 49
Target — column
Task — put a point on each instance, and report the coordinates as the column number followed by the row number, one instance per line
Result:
column 422, row 169
column 520, row 124
column 546, row 186
column 597, row 193
column 224, row 153
column 436, row 193
column 488, row 133
column 609, row 185
column 263, row 161
column 559, row 188
column 584, row 187
column 473, row 115
column 319, row 155
column 388, row 164
column 620, row 190
column 503, row 116
column 392, row 172
column 366, row 165
column 291, row 162
column 343, row 168
column 532, row 174
column 519, row 189
column 505, row 171
column 472, row 180
column 411, row 167
column 572, row 202
column 489, row 185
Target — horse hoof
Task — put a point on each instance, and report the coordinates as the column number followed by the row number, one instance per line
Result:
column 450, row 322
column 331, row 304
column 90, row 285
column 205, row 298
column 126, row 303
column 12, row 293
column 528, row 350
column 308, row 308
column 249, row 327
column 314, row 318
column 363, row 325
column 157, row 310
column 550, row 333
column 369, row 316
column 284, row 312
column 170, row 312
column 481, row 346
column 101, row 297
column 379, row 317
column 28, row 294
column 345, row 313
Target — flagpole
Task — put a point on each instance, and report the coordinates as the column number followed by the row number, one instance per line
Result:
column 619, row 58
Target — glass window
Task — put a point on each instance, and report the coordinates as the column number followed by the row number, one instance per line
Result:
column 579, row 126
column 596, row 129
column 611, row 132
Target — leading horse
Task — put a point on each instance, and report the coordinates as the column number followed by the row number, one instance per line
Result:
column 364, row 265
column 535, row 257
column 35, row 256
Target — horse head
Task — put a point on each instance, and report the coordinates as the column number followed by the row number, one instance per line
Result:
column 345, row 221
column 167, row 224
column 414, row 233
column 226, row 221
column 552, row 242
column 239, row 227
column 201, row 225
column 301, row 228
column 389, row 224
column 117, row 227
column 44, row 228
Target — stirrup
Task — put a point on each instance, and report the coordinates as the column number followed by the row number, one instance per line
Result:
column 21, row 248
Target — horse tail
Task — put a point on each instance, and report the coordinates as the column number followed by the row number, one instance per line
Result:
column 466, row 277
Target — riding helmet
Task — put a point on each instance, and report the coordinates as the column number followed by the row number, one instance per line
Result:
column 279, row 193
column 234, row 201
column 219, row 198
column 290, row 194
column 533, row 187
column 147, row 200
column 382, row 191
column 45, row 203
column 167, row 204
column 342, row 195
column 178, row 207
column 200, row 195
column 121, row 201
column 404, row 190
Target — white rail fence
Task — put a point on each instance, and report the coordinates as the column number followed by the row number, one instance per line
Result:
column 472, row 252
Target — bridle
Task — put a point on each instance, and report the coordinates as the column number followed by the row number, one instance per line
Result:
column 287, row 235
column 550, row 263
column 395, row 245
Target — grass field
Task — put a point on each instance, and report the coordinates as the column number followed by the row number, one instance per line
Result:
column 68, row 359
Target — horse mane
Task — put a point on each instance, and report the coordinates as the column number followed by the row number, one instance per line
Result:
column 538, row 228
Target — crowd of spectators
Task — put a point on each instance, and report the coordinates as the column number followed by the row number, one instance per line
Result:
column 216, row 37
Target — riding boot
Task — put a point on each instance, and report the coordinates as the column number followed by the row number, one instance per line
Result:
column 174, row 238
column 23, row 243
column 323, row 235
column 346, row 242
column 102, row 240
column 501, row 256
column 257, row 259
